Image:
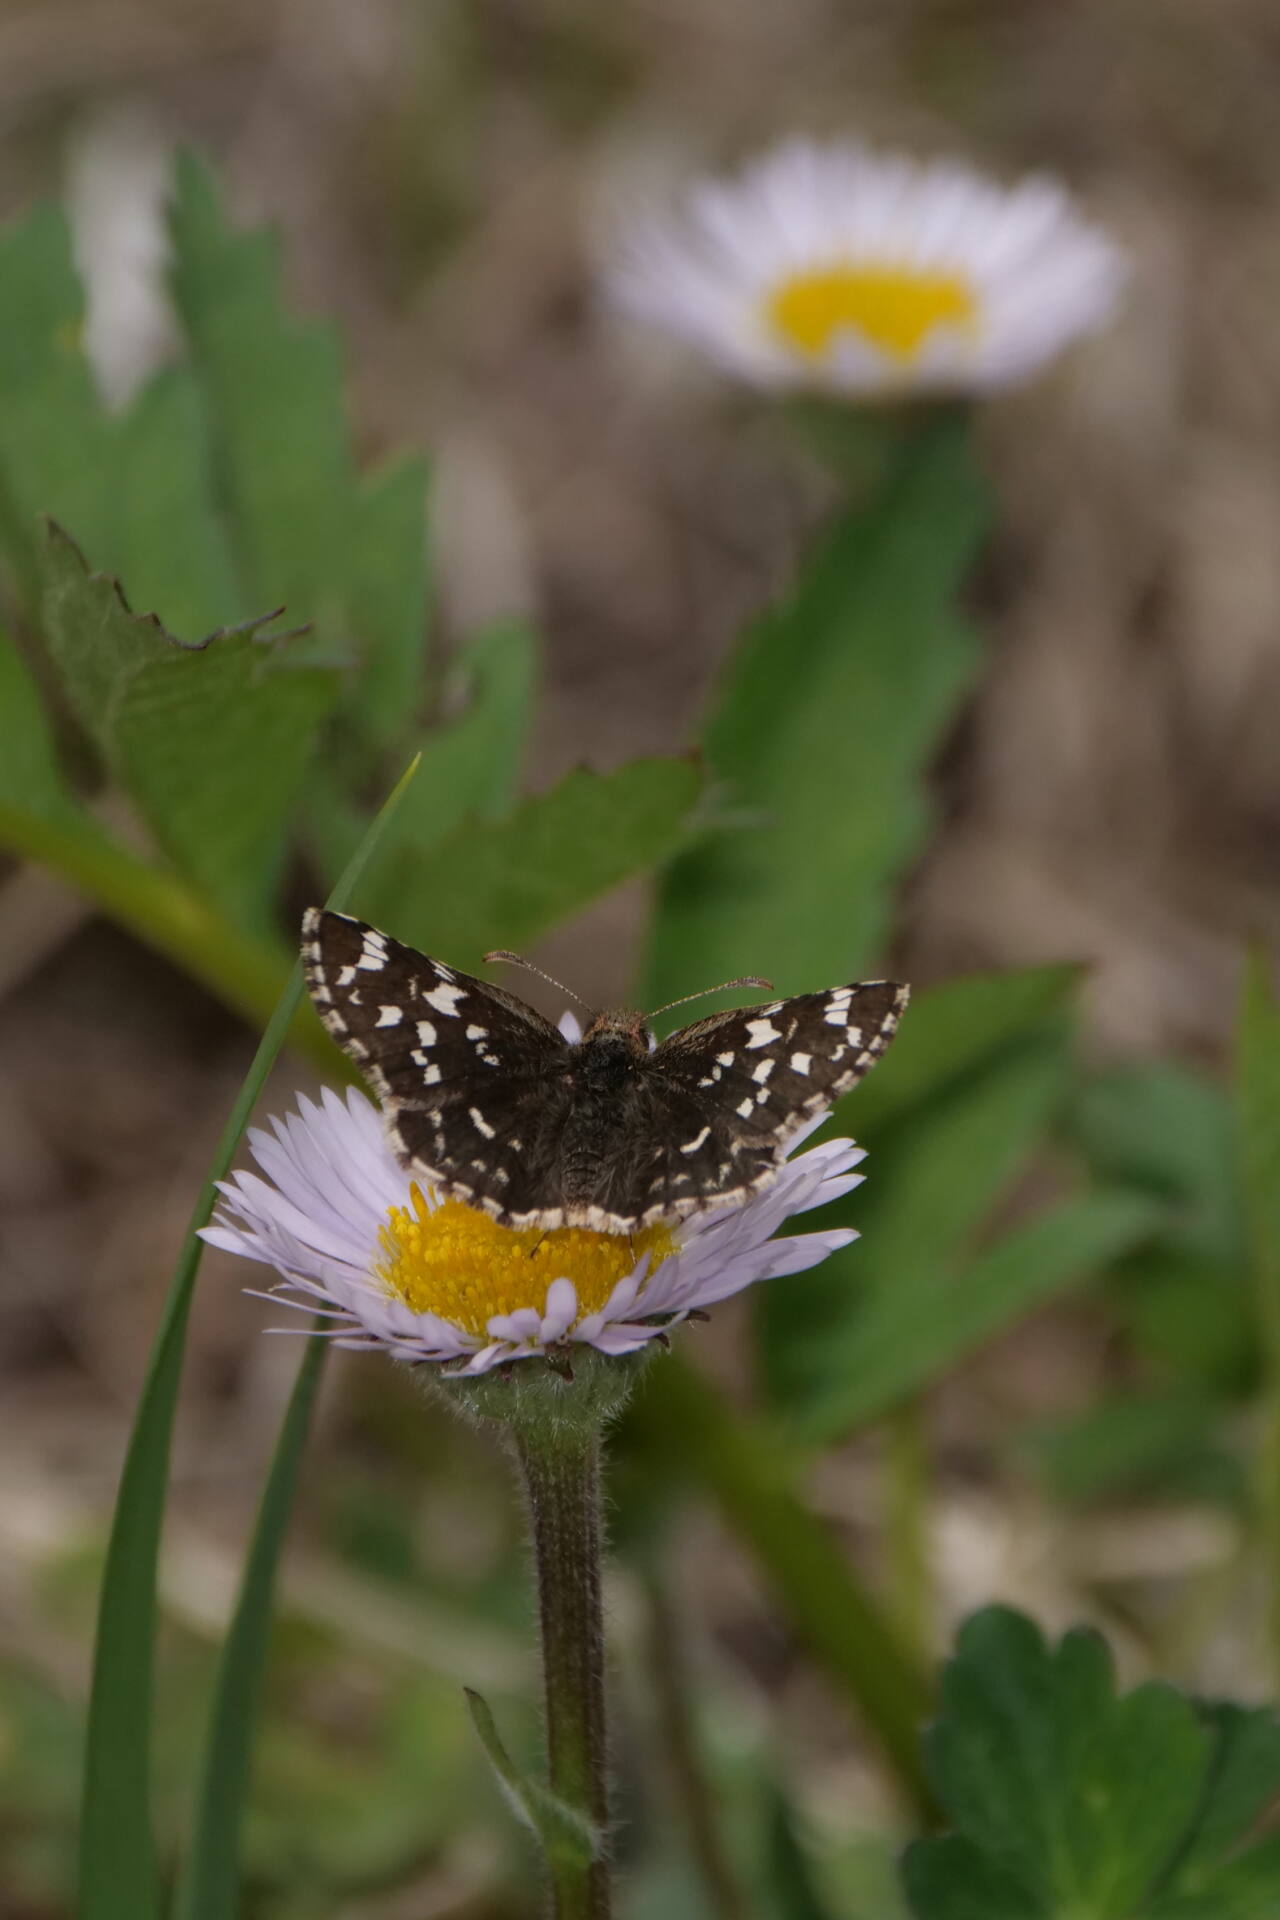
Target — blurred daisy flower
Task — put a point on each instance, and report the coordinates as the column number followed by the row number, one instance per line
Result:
column 834, row 269
column 392, row 1267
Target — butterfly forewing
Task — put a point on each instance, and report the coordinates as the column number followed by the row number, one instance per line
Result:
column 757, row 1074
column 471, row 1079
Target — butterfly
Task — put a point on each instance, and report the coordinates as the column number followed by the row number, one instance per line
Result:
column 494, row 1106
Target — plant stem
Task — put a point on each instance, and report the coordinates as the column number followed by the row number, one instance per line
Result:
column 690, row 1430
column 670, row 1679
column 560, row 1463
column 907, row 1530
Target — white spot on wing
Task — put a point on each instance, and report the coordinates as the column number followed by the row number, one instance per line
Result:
column 747, row 1108
column 762, row 1071
column 762, row 1032
column 345, row 976
column 444, row 999
column 695, row 1144
column 481, row 1123
column 426, row 1033
column 725, row 1059
column 477, row 1033
column 801, row 1062
column 389, row 1017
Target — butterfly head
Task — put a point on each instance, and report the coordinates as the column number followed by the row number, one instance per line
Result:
column 611, row 1046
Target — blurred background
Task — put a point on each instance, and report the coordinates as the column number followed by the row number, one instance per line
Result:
column 443, row 173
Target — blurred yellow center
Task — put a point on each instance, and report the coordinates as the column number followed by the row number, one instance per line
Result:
column 456, row 1262
column 896, row 308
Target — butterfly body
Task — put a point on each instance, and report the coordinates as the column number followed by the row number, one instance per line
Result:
column 494, row 1106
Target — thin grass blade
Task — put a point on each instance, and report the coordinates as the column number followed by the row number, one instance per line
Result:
column 210, row 1883
column 118, row 1875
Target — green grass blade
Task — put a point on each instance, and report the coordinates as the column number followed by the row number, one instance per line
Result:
column 209, row 1887
column 118, row 1878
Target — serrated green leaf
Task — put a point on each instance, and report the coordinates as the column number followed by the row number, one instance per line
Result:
column 166, row 540
column 929, row 1191
column 1079, row 1796
column 53, row 432
column 274, row 394
column 133, row 487
column 211, row 739
column 504, row 883
column 827, row 718
column 562, row 1833
column 30, row 776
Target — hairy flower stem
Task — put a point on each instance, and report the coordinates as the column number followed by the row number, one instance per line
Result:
column 560, row 1463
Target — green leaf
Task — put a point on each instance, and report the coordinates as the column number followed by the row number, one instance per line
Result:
column 1167, row 1130
column 1258, row 1124
column 209, row 1888
column 135, row 488
column 1080, row 1797
column 54, row 433
column 211, row 739
column 166, row 540
column 791, row 1881
column 687, row 1429
column 274, row 396
column 504, row 883
column 117, row 1870
column 946, row 1032
column 835, row 1342
column 827, row 718
column 562, row 1833
column 1244, row 1779
column 388, row 599
column 1153, row 1446
column 471, row 765
column 908, row 1336
column 949, row 1879
column 30, row 777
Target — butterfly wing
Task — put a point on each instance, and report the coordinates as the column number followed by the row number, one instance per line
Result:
column 473, row 1082
column 738, row 1085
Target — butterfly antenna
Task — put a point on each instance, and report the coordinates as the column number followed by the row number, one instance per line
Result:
column 518, row 960
column 747, row 980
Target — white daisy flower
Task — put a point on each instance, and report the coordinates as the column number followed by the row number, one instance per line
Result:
column 393, row 1267
column 831, row 268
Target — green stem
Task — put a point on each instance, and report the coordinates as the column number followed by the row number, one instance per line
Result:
column 690, row 1430
column 673, row 1691
column 158, row 908
column 560, row 1464
column 907, row 1524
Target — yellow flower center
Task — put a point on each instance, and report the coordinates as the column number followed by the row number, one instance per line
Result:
column 896, row 308
column 456, row 1262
